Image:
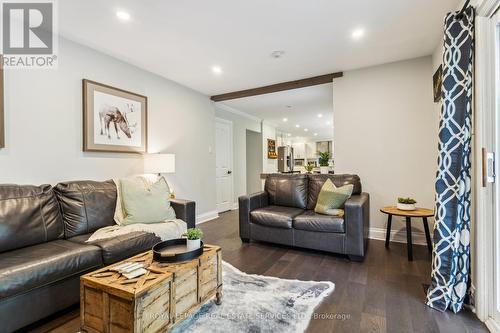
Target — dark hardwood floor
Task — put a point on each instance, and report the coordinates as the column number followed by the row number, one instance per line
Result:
column 385, row 293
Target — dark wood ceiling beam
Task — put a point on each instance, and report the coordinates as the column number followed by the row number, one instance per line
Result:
column 312, row 81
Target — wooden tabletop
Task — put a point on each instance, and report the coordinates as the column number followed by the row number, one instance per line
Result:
column 117, row 284
column 418, row 212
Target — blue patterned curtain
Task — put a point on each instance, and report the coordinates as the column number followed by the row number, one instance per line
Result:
column 451, row 255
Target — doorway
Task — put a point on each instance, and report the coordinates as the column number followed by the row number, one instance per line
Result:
column 254, row 161
column 224, row 164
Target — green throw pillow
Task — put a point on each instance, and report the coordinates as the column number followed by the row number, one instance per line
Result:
column 331, row 199
column 146, row 203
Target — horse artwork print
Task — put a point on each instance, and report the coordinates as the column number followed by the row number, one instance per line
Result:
column 114, row 119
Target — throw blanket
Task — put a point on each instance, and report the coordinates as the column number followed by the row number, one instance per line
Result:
column 164, row 230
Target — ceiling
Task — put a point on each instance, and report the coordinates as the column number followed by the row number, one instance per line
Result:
column 298, row 106
column 183, row 40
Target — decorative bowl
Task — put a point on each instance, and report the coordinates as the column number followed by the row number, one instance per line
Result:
column 402, row 206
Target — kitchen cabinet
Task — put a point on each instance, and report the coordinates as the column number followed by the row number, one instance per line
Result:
column 299, row 150
column 311, row 152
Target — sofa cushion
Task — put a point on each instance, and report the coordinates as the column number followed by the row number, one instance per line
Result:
column 35, row 266
column 332, row 198
column 121, row 247
column 287, row 190
column 86, row 205
column 145, row 202
column 29, row 215
column 317, row 181
column 312, row 221
column 275, row 216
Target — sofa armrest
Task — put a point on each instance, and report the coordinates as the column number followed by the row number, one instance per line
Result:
column 357, row 221
column 246, row 204
column 185, row 210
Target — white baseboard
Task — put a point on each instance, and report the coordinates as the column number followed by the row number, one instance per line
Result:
column 235, row 206
column 205, row 217
column 492, row 325
column 398, row 236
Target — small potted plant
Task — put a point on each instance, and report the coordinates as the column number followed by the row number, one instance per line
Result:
column 324, row 160
column 309, row 168
column 193, row 238
column 406, row 203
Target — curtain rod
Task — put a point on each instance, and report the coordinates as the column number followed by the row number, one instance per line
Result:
column 460, row 15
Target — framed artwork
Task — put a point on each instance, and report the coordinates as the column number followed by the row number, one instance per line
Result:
column 271, row 149
column 438, row 84
column 2, row 122
column 114, row 120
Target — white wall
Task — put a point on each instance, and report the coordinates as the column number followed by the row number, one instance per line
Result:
column 241, row 123
column 268, row 132
column 44, row 126
column 386, row 131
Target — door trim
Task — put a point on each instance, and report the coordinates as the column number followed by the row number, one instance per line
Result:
column 485, row 105
column 231, row 157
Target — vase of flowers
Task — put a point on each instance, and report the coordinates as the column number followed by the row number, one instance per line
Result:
column 406, row 204
column 193, row 238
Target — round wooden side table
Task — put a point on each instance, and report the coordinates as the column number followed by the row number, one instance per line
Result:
column 408, row 214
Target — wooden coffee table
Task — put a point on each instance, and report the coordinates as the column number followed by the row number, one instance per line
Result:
column 419, row 213
column 154, row 302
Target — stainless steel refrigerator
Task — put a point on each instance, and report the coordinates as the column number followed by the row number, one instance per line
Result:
column 285, row 159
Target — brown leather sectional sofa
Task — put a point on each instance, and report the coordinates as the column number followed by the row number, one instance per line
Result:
column 284, row 214
column 42, row 245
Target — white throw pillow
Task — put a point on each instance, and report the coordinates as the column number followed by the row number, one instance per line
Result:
column 120, row 215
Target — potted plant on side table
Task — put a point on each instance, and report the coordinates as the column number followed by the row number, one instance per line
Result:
column 406, row 203
column 324, row 160
column 193, row 238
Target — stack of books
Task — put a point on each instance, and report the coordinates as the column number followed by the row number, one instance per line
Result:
column 130, row 270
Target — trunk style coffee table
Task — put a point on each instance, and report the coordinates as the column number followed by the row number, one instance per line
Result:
column 154, row 302
column 408, row 214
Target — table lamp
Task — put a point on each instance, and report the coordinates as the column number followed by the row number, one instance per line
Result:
column 159, row 163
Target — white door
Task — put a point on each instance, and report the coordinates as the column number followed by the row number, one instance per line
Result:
column 224, row 164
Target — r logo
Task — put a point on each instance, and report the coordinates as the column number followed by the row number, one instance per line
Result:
column 27, row 28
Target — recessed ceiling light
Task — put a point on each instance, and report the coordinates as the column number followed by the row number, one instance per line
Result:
column 289, row 134
column 285, row 119
column 320, row 115
column 328, row 123
column 315, row 134
column 358, row 33
column 217, row 70
column 306, row 130
column 277, row 54
column 124, row 16
column 298, row 126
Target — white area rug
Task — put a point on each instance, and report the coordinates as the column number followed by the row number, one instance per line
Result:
column 258, row 304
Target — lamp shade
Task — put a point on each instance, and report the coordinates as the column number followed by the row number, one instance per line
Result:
column 159, row 163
